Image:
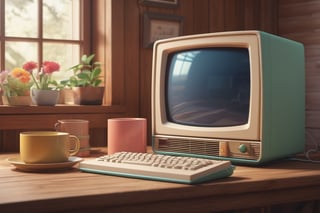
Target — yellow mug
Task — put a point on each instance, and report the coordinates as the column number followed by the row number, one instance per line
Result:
column 47, row 146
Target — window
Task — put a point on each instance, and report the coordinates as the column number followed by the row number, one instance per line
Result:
column 97, row 18
column 41, row 30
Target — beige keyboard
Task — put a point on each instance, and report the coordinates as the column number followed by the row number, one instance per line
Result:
column 179, row 169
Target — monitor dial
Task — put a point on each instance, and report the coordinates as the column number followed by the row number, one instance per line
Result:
column 243, row 148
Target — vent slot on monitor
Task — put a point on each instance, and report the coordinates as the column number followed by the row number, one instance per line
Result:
column 205, row 147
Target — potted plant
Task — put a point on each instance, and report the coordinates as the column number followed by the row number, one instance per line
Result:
column 85, row 81
column 15, row 86
column 45, row 91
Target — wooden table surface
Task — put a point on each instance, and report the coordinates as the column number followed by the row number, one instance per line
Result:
column 75, row 191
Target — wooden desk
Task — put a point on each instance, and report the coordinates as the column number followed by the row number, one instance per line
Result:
column 74, row 191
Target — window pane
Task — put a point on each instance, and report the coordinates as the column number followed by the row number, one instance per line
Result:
column 61, row 19
column 17, row 53
column 21, row 18
column 66, row 55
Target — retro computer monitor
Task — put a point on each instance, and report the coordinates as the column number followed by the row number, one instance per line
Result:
column 237, row 96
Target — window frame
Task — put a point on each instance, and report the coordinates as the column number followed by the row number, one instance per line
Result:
column 120, row 81
column 85, row 42
column 84, row 37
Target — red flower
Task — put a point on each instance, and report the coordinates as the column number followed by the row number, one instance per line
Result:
column 29, row 66
column 50, row 67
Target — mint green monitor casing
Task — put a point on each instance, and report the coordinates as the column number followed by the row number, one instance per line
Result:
column 283, row 97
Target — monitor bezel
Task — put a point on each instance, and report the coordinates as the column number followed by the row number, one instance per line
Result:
column 162, row 48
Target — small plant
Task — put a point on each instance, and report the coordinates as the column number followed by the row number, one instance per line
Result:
column 86, row 73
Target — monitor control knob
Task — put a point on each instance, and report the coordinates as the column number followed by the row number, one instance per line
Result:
column 243, row 148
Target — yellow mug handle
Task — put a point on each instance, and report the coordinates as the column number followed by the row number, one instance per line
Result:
column 74, row 139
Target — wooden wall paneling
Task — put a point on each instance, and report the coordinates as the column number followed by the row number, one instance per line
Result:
column 1, row 141
column 251, row 14
column 312, row 83
column 145, row 64
column 187, row 11
column 9, row 141
column 145, row 86
column 201, row 16
column 116, row 51
column 131, row 60
column 269, row 16
column 305, row 24
column 98, row 137
column 243, row 15
column 297, row 8
column 99, row 42
column 233, row 13
column 306, row 38
column 313, row 100
column 216, row 16
column 312, row 54
column 312, row 119
column 312, row 138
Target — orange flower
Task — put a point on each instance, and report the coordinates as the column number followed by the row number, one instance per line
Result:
column 21, row 74
column 17, row 82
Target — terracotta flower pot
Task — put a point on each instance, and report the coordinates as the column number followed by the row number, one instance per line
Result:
column 82, row 95
column 19, row 100
column 88, row 95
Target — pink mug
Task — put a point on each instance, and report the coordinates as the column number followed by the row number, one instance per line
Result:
column 73, row 126
column 79, row 128
column 127, row 134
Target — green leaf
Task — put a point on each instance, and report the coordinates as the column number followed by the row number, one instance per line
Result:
column 84, row 58
column 89, row 59
column 96, row 72
column 97, row 82
column 84, row 75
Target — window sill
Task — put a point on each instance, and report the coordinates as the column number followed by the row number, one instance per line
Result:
column 44, row 117
column 60, row 109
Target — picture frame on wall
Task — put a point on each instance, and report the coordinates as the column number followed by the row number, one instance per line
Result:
column 160, row 26
column 160, row 3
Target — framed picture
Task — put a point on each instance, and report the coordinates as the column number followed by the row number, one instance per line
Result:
column 160, row 26
column 160, row 3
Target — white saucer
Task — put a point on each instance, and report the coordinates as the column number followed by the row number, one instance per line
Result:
column 45, row 167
